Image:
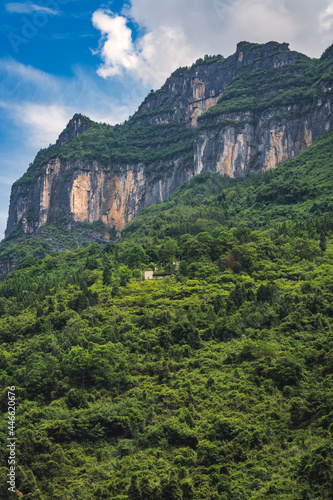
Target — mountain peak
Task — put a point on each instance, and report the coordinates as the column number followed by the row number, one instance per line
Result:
column 191, row 91
column 270, row 54
column 268, row 47
column 75, row 127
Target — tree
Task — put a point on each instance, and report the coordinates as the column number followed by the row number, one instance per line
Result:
column 136, row 257
column 106, row 275
column 171, row 489
column 169, row 251
column 124, row 275
column 79, row 363
column 322, row 242
column 265, row 293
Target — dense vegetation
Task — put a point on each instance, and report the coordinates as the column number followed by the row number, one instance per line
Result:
column 299, row 189
column 19, row 247
column 213, row 383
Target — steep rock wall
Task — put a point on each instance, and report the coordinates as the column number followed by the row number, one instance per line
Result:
column 189, row 92
column 192, row 100
column 90, row 192
column 252, row 144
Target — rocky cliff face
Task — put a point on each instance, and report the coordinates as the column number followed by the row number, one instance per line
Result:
column 61, row 195
column 261, row 106
column 260, row 143
column 189, row 92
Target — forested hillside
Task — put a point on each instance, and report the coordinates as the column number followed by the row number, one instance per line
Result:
column 211, row 383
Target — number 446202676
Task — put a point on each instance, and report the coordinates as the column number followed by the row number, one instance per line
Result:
column 11, row 409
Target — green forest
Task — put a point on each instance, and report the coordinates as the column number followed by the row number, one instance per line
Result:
column 212, row 383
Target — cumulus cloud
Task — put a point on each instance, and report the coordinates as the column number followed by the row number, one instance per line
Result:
column 150, row 59
column 162, row 52
column 117, row 49
column 28, row 8
column 174, row 33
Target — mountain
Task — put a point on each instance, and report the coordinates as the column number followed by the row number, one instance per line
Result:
column 298, row 190
column 213, row 382
column 247, row 113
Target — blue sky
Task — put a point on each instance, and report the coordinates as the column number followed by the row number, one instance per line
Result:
column 59, row 57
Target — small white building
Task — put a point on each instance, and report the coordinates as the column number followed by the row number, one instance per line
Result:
column 149, row 275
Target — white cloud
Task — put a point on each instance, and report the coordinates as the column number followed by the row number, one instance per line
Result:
column 44, row 121
column 41, row 122
column 25, row 85
column 213, row 26
column 31, row 100
column 151, row 59
column 117, row 47
column 264, row 21
column 28, row 8
column 25, row 73
column 163, row 51
column 177, row 33
column 326, row 18
column 36, row 106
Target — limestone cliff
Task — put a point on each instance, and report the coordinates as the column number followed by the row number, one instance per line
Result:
column 189, row 92
column 260, row 143
column 89, row 193
column 260, row 106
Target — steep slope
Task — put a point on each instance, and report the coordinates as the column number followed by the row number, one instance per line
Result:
column 300, row 190
column 261, row 106
column 214, row 383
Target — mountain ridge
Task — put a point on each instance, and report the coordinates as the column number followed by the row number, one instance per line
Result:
column 267, row 105
column 258, row 56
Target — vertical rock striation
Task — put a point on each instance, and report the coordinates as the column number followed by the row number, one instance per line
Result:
column 249, row 112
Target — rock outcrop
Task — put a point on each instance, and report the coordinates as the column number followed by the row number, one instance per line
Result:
column 76, row 126
column 189, row 92
column 61, row 195
column 233, row 130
